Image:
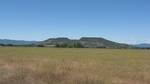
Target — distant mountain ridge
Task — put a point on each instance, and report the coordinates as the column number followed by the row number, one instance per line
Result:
column 16, row 42
column 86, row 42
column 143, row 45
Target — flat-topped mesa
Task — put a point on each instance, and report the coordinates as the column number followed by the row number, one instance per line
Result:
column 59, row 39
column 87, row 42
column 91, row 39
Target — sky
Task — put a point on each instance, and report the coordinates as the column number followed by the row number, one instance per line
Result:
column 125, row 21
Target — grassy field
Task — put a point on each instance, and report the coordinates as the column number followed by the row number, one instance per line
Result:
column 73, row 66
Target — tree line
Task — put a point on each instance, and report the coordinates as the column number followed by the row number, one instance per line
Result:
column 64, row 45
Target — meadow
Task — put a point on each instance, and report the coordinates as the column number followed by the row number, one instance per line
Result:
column 20, row 65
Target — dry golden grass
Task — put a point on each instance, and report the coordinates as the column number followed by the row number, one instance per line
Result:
column 73, row 66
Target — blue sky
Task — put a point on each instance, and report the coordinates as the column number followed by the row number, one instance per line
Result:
column 126, row 21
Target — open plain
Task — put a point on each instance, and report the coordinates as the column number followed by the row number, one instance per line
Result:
column 20, row 65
